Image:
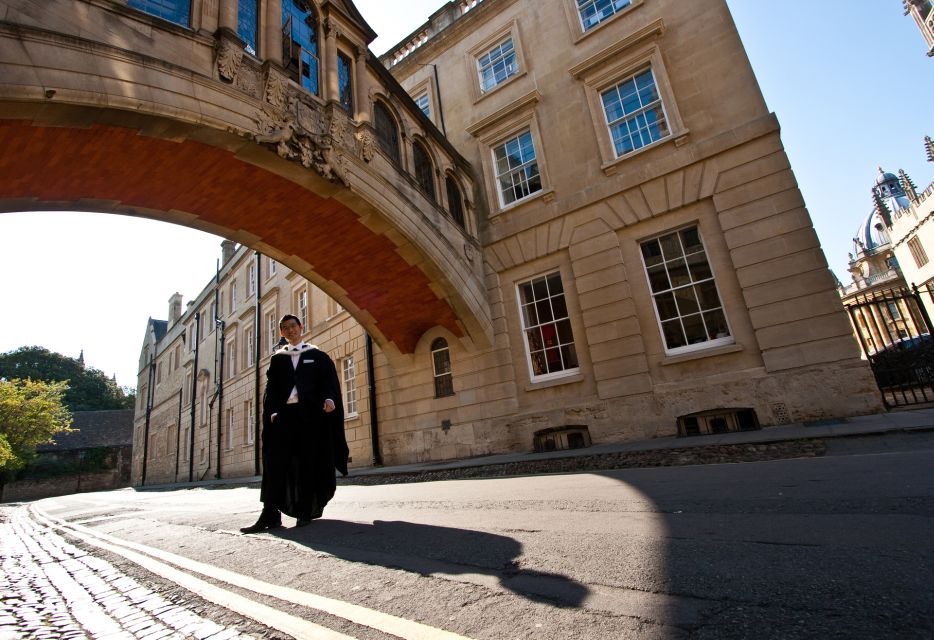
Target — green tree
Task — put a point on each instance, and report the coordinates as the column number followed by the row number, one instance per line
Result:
column 89, row 389
column 31, row 412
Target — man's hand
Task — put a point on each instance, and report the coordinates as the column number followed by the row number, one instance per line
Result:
column 329, row 406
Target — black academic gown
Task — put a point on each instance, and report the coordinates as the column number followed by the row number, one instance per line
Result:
column 300, row 456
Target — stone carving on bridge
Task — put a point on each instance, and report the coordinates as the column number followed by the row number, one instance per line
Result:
column 366, row 144
column 304, row 135
column 229, row 57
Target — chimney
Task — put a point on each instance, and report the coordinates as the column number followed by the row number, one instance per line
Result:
column 175, row 308
column 228, row 248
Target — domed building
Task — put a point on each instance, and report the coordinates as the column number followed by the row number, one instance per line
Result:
column 882, row 306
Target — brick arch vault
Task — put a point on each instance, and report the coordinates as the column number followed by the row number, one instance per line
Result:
column 116, row 131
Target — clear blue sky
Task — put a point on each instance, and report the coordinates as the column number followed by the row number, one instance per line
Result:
column 849, row 81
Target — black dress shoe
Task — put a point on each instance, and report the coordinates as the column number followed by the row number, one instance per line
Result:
column 302, row 522
column 261, row 525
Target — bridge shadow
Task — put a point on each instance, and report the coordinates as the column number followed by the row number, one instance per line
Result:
column 465, row 555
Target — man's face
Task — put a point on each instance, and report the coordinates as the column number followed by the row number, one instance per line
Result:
column 291, row 331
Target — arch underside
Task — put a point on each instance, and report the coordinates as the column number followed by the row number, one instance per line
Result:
column 117, row 169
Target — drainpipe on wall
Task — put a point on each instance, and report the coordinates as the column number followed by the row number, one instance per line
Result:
column 371, row 390
column 218, row 369
column 219, row 395
column 149, row 379
column 434, row 68
column 178, row 435
column 256, row 345
column 194, row 398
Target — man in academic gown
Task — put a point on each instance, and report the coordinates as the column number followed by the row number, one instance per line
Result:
column 303, row 432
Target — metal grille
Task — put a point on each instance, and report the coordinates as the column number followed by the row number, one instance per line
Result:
column 893, row 327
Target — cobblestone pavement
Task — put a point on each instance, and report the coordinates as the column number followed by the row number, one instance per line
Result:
column 52, row 589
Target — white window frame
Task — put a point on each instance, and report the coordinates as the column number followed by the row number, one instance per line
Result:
column 348, row 378
column 301, row 304
column 640, row 112
column 497, row 176
column 566, row 372
column 500, row 57
column 423, row 102
column 272, row 324
column 696, row 346
column 251, row 279
column 232, row 303
column 594, row 3
column 272, row 268
column 231, row 358
column 249, row 345
column 229, row 444
column 248, row 424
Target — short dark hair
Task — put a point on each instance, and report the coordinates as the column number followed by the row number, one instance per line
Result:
column 288, row 317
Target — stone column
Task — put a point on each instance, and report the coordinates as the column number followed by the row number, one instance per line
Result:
column 361, row 87
column 330, row 89
column 227, row 15
column 271, row 47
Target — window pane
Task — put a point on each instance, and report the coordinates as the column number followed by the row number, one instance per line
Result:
column 544, row 311
column 716, row 325
column 540, row 289
column 687, row 302
column 665, row 303
column 670, row 246
column 345, row 82
column 694, row 329
column 700, row 269
column 529, row 315
column 246, row 24
column 534, row 337
column 651, row 252
column 707, row 294
column 658, row 277
column 674, row 335
column 678, row 273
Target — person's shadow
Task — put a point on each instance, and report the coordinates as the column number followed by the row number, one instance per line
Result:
column 474, row 556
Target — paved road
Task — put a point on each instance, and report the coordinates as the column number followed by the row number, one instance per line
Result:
column 831, row 547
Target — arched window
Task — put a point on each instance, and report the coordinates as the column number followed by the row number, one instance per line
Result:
column 424, row 171
column 387, row 133
column 441, row 366
column 455, row 201
column 300, row 43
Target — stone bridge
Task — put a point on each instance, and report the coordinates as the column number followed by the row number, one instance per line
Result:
column 289, row 138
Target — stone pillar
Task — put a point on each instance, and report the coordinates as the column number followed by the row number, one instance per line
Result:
column 271, row 47
column 330, row 89
column 227, row 15
column 361, row 87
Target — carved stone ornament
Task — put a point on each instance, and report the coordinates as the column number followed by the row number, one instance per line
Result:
column 229, row 57
column 279, row 131
column 366, row 144
column 277, row 87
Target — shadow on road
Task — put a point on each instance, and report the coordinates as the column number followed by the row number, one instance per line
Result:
column 474, row 556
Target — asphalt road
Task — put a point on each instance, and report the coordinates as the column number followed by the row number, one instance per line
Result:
column 840, row 546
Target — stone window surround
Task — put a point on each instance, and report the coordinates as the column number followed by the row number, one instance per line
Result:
column 577, row 27
column 691, row 351
column 616, row 63
column 496, row 129
column 508, row 30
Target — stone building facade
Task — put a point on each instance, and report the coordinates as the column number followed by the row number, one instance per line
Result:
column 650, row 268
